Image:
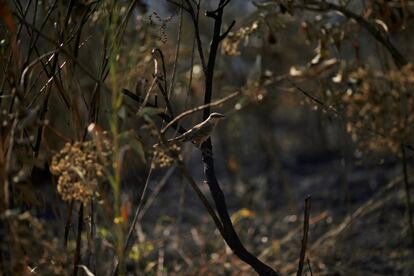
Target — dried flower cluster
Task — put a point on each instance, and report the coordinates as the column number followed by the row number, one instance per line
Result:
column 382, row 104
column 80, row 165
column 163, row 157
column 232, row 42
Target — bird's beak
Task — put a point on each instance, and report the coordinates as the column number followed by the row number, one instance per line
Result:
column 222, row 116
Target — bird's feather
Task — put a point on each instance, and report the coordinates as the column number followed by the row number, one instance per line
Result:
column 200, row 130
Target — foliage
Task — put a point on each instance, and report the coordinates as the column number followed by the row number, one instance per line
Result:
column 92, row 91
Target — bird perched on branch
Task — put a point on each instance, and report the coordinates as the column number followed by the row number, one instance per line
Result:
column 199, row 133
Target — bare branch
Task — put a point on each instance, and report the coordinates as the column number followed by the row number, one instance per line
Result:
column 203, row 199
column 61, row 49
column 398, row 58
column 159, row 77
column 223, row 36
column 194, row 14
column 229, row 235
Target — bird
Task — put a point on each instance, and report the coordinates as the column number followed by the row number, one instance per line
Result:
column 199, row 133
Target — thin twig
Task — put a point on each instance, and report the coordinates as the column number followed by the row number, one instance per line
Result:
column 157, row 190
column 144, row 103
column 68, row 224
column 137, row 213
column 177, row 52
column 77, row 257
column 309, row 266
column 305, row 235
column 324, row 6
column 10, row 57
column 199, row 108
column 159, row 77
column 7, row 187
column 338, row 113
column 91, row 245
column 364, row 208
column 203, row 199
column 61, row 49
column 190, row 79
column 194, row 14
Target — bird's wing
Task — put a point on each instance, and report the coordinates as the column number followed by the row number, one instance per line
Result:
column 187, row 136
column 200, row 130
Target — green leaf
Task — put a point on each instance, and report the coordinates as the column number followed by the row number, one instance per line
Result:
column 132, row 139
column 136, row 145
column 122, row 113
column 150, row 111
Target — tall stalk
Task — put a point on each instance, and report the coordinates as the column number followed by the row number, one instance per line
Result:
column 116, row 104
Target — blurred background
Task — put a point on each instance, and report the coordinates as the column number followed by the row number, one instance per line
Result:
column 325, row 109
